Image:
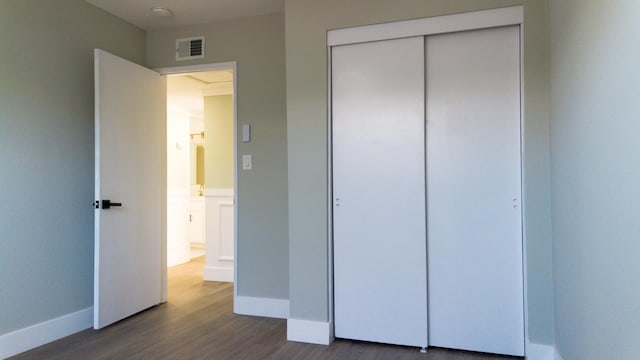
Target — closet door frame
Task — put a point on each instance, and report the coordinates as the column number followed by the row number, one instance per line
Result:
column 476, row 20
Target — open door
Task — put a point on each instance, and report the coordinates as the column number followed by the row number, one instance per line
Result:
column 130, row 123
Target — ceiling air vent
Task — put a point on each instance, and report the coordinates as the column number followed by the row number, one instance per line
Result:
column 190, row 48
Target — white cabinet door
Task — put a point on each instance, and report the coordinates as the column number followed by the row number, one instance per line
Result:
column 195, row 232
column 178, row 247
column 474, row 191
column 130, row 119
column 380, row 265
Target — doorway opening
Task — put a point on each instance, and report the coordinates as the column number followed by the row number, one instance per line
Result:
column 201, row 171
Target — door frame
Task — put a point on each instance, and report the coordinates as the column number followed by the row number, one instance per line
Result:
column 474, row 20
column 177, row 70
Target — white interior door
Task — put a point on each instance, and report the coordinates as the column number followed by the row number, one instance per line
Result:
column 474, row 191
column 130, row 120
column 380, row 265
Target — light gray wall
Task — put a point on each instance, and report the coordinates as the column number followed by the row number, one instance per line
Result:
column 307, row 22
column 257, row 44
column 595, row 89
column 46, row 153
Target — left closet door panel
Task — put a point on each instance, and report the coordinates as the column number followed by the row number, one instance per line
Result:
column 380, row 269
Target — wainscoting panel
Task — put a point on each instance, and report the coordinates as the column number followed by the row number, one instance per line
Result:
column 219, row 235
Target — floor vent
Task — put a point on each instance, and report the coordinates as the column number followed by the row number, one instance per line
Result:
column 190, row 48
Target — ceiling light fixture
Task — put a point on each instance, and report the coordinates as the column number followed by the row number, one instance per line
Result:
column 162, row 12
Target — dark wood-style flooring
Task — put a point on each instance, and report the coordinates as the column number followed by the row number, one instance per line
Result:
column 198, row 322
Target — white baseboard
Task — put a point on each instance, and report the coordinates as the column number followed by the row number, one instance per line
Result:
column 307, row 331
column 542, row 352
column 45, row 332
column 214, row 273
column 255, row 306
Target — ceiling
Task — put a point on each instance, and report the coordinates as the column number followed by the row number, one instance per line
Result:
column 184, row 91
column 186, row 12
column 210, row 77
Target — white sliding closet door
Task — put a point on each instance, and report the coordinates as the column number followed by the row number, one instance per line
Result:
column 474, row 191
column 379, row 219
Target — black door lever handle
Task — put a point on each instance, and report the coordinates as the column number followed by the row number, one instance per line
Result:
column 106, row 204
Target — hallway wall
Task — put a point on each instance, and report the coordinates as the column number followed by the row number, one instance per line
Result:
column 218, row 127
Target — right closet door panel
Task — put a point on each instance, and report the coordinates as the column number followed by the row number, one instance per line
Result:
column 474, row 191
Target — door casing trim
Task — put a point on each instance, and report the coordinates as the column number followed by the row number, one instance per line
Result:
column 176, row 70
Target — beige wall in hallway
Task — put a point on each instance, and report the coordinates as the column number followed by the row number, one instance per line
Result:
column 218, row 153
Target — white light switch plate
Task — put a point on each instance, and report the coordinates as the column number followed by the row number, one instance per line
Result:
column 246, row 162
column 246, row 133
